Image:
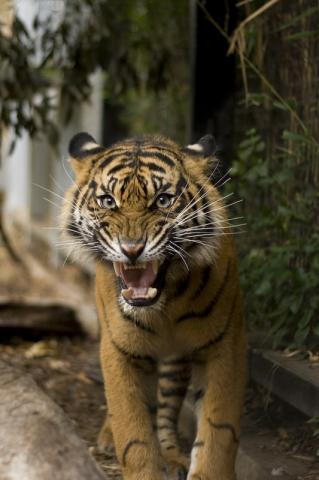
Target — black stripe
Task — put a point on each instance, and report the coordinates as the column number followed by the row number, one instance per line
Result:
column 203, row 282
column 198, row 444
column 160, row 224
column 181, row 184
column 166, row 427
column 164, row 148
column 112, row 157
column 224, row 426
column 73, row 229
column 120, row 166
column 176, row 375
column 135, row 356
column 75, row 199
column 167, row 417
column 221, row 335
column 198, row 395
column 159, row 240
column 111, row 184
column 181, row 288
column 152, row 409
column 100, row 238
column 93, row 185
column 176, row 361
column 130, row 444
column 170, row 447
column 173, row 392
column 133, row 320
column 104, row 224
column 161, row 156
column 165, row 405
column 105, row 235
column 153, row 166
column 84, row 197
column 208, row 309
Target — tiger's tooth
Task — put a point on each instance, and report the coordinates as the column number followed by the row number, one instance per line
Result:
column 127, row 293
column 127, row 266
column 152, row 292
column 116, row 269
column 155, row 266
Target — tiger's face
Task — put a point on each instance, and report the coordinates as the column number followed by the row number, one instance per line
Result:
column 143, row 205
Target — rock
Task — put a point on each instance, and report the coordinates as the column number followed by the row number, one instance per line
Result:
column 37, row 440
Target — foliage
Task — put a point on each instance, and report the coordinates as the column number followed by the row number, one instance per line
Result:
column 279, row 261
column 151, row 106
column 55, row 59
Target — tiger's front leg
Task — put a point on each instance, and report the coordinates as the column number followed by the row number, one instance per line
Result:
column 135, row 442
column 218, row 411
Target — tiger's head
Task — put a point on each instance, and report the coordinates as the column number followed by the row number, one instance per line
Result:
column 147, row 206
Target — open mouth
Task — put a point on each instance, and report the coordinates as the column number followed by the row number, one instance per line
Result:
column 140, row 284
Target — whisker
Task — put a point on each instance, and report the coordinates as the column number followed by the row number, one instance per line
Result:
column 179, row 196
column 224, row 183
column 56, row 183
column 202, row 228
column 220, row 234
column 51, row 202
column 204, row 207
column 181, row 248
column 221, row 178
column 194, row 201
column 53, row 193
column 198, row 242
column 172, row 248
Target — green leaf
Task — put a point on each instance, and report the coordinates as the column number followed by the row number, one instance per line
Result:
column 302, row 35
column 296, row 19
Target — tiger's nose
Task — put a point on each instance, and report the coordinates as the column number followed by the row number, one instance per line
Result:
column 132, row 250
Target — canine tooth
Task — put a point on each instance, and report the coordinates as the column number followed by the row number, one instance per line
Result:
column 152, row 292
column 155, row 266
column 127, row 293
column 116, row 269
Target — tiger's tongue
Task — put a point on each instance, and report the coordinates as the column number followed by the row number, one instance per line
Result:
column 138, row 281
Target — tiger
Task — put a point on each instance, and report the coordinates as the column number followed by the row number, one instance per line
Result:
column 168, row 301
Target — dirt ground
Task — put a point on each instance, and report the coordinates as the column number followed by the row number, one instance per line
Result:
column 68, row 371
column 67, row 368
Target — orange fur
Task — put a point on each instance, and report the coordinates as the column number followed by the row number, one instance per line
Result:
column 191, row 339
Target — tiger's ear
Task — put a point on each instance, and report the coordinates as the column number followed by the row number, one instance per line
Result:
column 201, row 155
column 81, row 148
column 205, row 147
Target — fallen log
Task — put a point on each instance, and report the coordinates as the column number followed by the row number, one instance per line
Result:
column 37, row 440
column 38, row 317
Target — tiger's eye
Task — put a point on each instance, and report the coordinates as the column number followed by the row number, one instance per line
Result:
column 107, row 201
column 164, row 200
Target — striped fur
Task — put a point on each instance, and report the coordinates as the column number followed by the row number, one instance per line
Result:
column 190, row 336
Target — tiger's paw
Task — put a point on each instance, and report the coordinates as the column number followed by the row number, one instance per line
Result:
column 176, row 456
column 105, row 443
column 177, row 464
column 176, row 471
column 206, row 476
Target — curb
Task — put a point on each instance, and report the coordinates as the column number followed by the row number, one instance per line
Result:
column 292, row 380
